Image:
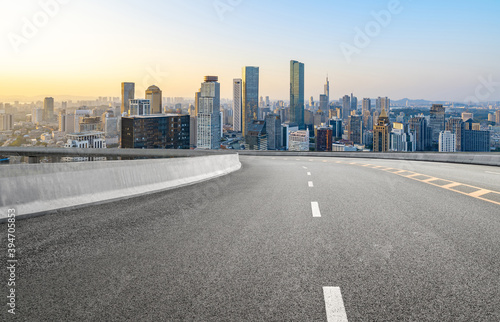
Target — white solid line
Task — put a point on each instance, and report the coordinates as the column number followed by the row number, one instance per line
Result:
column 315, row 209
column 310, row 183
column 309, row 173
column 492, row 172
column 335, row 310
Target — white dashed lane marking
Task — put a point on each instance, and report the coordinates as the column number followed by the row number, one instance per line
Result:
column 334, row 305
column 310, row 184
column 315, row 209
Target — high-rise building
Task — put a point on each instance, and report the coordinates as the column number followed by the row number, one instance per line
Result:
column 346, row 107
column 48, row 109
column 355, row 129
column 139, row 107
column 455, row 126
column 422, row 132
column 250, row 97
column 237, row 103
column 257, row 138
column 383, row 103
column 297, row 93
column 274, row 132
column 324, row 139
column 323, row 102
column 381, row 137
column 6, row 122
column 166, row 131
column 128, row 93
column 154, row 94
column 437, row 121
column 473, row 139
column 327, row 90
column 402, row 140
column 337, row 130
column 209, row 129
column 497, row 118
column 298, row 141
column 354, row 103
column 447, row 142
column 367, row 105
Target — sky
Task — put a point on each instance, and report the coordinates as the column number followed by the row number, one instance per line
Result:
column 417, row 49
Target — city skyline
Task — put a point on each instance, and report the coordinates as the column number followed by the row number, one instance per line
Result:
column 421, row 50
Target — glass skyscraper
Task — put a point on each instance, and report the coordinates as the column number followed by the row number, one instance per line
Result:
column 297, row 93
column 250, row 97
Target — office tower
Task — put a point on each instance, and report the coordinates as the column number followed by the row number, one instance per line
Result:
column 367, row 105
column 497, row 118
column 111, row 123
column 381, row 132
column 337, row 130
column 367, row 120
column 257, row 138
column 89, row 124
column 311, row 101
column 355, row 129
column 455, row 126
column 346, row 107
column 297, row 93
column 209, row 131
column 6, row 122
column 154, row 94
column 237, row 103
column 383, row 103
column 128, row 93
column 168, row 131
column 447, row 142
column 327, row 90
column 402, row 140
column 48, row 109
column 197, row 102
column 422, row 132
column 354, row 103
column 250, row 97
column 473, row 139
column 466, row 116
column 62, row 120
column 323, row 103
column 268, row 103
column 437, row 121
column 324, row 139
column 139, row 107
column 274, row 132
column 64, row 105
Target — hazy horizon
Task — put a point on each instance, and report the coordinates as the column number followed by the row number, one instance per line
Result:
column 418, row 50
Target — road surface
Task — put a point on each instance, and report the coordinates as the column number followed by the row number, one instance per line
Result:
column 283, row 239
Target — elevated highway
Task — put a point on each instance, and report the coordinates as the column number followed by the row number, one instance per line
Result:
column 286, row 238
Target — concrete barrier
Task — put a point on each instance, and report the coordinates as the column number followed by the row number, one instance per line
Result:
column 36, row 189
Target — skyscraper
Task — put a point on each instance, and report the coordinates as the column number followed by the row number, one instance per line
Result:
column 367, row 105
column 274, row 132
column 354, row 103
column 455, row 126
column 237, row 103
column 128, row 93
column 297, row 93
column 154, row 94
column 447, row 141
column 346, row 107
column 422, row 132
column 48, row 109
column 324, row 139
column 383, row 103
column 209, row 130
column 327, row 90
column 497, row 118
column 323, row 103
column 250, row 97
column 355, row 129
column 437, row 121
column 381, row 136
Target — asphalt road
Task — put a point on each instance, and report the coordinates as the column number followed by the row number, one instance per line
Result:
column 246, row 247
